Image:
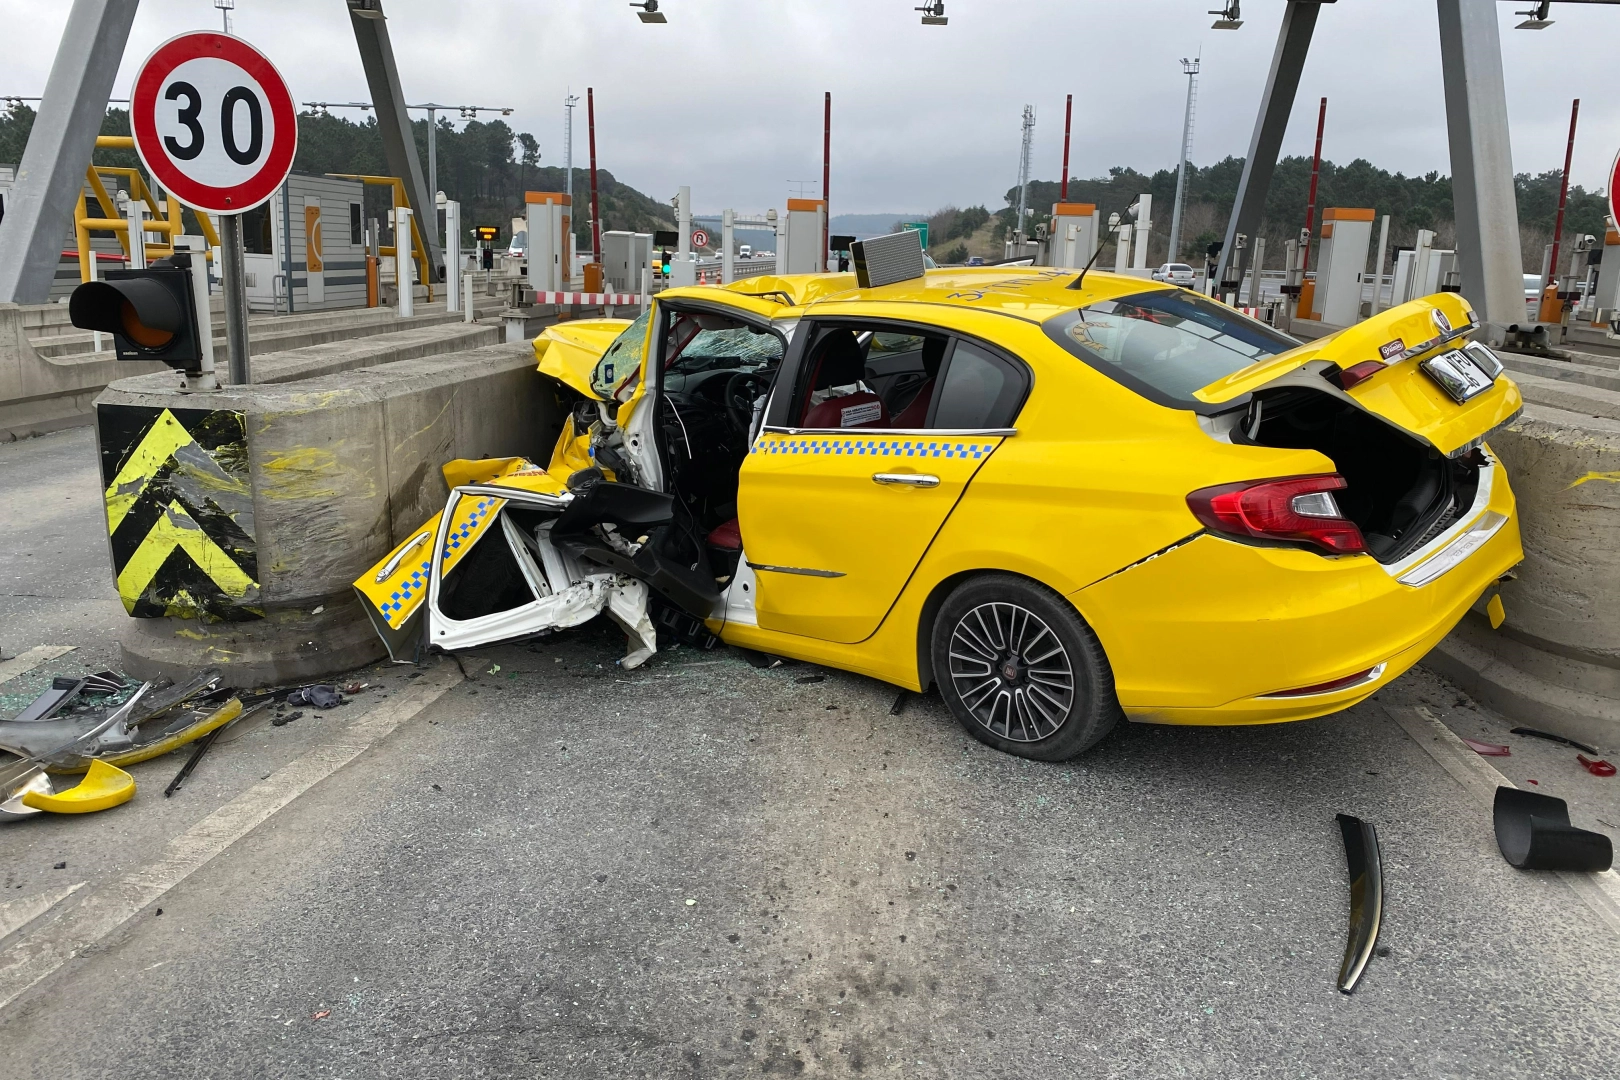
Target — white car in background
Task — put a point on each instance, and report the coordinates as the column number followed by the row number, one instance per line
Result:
column 745, row 251
column 1174, row 274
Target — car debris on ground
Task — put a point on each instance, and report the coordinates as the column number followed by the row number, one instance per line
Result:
column 1533, row 832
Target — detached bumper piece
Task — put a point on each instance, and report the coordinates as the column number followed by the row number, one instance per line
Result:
column 1534, row 833
column 1366, row 898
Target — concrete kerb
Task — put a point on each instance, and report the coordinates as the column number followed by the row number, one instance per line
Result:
column 1556, row 659
column 336, row 470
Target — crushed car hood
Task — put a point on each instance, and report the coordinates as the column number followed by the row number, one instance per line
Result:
column 568, row 352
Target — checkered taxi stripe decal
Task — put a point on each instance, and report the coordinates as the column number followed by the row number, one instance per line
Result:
column 398, row 608
column 929, row 448
column 475, row 517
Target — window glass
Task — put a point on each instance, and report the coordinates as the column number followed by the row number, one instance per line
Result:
column 621, row 364
column 1170, row 341
column 737, row 346
column 356, row 231
column 979, row 390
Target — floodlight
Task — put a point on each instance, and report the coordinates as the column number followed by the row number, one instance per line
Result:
column 1231, row 16
column 649, row 12
column 933, row 14
column 1537, row 17
column 366, row 9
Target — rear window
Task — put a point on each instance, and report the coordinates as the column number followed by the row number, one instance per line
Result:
column 1181, row 268
column 1166, row 343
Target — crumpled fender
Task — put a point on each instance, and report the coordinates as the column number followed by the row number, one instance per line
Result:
column 569, row 352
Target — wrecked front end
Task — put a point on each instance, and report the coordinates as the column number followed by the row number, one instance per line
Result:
column 519, row 552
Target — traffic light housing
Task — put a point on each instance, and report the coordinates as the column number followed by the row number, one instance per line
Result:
column 151, row 314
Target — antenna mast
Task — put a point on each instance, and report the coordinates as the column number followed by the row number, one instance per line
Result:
column 1023, row 179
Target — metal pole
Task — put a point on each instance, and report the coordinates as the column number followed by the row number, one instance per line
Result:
column 1259, row 265
column 596, row 212
column 1563, row 194
column 728, row 233
column 1378, row 267
column 826, row 180
column 646, row 287
column 1487, row 214
column 95, row 275
column 402, row 261
column 286, row 240
column 134, row 217
column 233, row 283
column 1190, row 68
column 1287, row 62
column 1310, row 205
column 433, row 162
column 452, row 256
column 568, row 145
column 39, row 207
column 1068, row 121
column 206, row 379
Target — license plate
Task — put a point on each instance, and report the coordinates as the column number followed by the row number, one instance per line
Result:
column 1458, row 375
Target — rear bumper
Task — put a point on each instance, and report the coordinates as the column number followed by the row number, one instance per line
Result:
column 1207, row 633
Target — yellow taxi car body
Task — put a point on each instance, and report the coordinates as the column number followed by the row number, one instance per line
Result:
column 1058, row 505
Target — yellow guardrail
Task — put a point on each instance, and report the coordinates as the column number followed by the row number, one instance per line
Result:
column 165, row 219
column 397, row 186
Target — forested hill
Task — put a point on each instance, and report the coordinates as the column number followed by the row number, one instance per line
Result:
column 485, row 166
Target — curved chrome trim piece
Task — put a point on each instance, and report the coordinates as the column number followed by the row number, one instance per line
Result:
column 393, row 564
column 1372, row 676
column 930, row 433
column 1366, row 898
column 536, row 498
column 919, row 480
column 801, row 571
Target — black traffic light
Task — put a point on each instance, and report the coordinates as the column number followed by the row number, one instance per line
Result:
column 152, row 313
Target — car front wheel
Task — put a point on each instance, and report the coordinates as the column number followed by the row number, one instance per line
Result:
column 1021, row 670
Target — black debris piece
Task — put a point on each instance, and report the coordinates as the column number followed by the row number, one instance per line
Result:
column 104, row 682
column 60, row 866
column 1534, row 833
column 320, row 695
column 283, row 721
column 810, row 679
column 1550, row 737
column 759, row 659
column 899, row 705
column 1366, row 897
column 204, row 743
column 48, row 704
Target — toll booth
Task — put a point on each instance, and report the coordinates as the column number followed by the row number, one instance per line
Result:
column 800, row 237
column 1340, row 264
column 1606, row 295
column 549, row 223
column 624, row 256
column 312, row 234
column 1074, row 234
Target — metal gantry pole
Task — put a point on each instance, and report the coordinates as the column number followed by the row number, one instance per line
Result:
column 50, row 175
column 596, row 213
column 826, row 181
column 1068, row 123
column 1190, row 69
column 1563, row 197
column 233, row 281
column 433, row 156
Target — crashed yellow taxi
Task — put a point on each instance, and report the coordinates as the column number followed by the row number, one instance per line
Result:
column 1059, row 502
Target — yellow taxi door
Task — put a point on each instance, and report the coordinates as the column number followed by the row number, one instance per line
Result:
column 834, row 520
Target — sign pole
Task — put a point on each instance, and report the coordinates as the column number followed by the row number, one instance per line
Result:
column 234, row 286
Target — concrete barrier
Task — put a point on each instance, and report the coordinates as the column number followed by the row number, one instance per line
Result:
column 1555, row 661
column 238, row 520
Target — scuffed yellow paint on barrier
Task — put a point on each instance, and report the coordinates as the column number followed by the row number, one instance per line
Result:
column 299, row 473
column 1611, row 477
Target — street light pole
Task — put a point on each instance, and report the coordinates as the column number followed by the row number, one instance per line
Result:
column 1190, row 68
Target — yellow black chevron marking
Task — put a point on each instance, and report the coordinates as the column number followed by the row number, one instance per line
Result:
column 156, row 448
column 177, row 529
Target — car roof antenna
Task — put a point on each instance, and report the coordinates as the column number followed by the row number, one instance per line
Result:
column 1113, row 227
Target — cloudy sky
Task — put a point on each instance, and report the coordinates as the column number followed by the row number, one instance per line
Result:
column 727, row 96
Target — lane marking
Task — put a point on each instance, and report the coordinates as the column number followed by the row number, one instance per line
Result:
column 16, row 914
column 28, row 661
column 1600, row 892
column 107, row 907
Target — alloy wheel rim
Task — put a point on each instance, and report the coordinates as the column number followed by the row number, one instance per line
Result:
column 1011, row 672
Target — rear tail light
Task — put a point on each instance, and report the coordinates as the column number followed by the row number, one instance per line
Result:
column 1357, row 373
column 1299, row 508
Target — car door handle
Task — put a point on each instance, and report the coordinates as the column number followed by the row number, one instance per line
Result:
column 908, row 479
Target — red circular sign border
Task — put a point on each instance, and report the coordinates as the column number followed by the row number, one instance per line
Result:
column 143, row 122
column 1614, row 193
column 703, row 233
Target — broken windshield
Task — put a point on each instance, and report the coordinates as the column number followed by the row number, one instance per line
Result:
column 1166, row 343
column 622, row 359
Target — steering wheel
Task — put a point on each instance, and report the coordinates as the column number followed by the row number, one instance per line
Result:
column 742, row 389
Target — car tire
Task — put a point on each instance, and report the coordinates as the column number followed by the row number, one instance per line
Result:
column 1020, row 669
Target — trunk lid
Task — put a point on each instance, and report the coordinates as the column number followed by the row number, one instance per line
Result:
column 1402, row 340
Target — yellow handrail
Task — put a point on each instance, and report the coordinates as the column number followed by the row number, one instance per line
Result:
column 397, row 186
column 165, row 218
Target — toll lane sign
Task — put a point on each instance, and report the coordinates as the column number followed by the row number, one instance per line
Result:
column 214, row 123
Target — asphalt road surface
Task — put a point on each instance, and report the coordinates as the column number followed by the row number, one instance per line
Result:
column 701, row 869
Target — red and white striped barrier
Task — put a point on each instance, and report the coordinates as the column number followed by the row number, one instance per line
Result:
column 587, row 299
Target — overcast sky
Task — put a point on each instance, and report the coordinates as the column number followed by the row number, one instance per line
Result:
column 727, row 97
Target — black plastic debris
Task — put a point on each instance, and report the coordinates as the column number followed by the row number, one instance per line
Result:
column 48, row 704
column 1535, row 733
column 320, row 695
column 759, row 659
column 283, row 721
column 810, row 679
column 1366, row 897
column 202, row 748
column 1534, row 833
column 104, row 682
column 899, row 705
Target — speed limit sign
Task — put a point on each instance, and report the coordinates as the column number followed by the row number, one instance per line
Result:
column 214, row 123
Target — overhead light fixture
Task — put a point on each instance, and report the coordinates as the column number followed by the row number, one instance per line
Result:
column 649, row 12
column 366, row 9
column 1231, row 16
column 933, row 14
column 1537, row 17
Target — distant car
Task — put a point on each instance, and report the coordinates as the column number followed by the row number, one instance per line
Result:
column 1174, row 274
column 976, row 260
column 519, row 246
column 745, row 251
